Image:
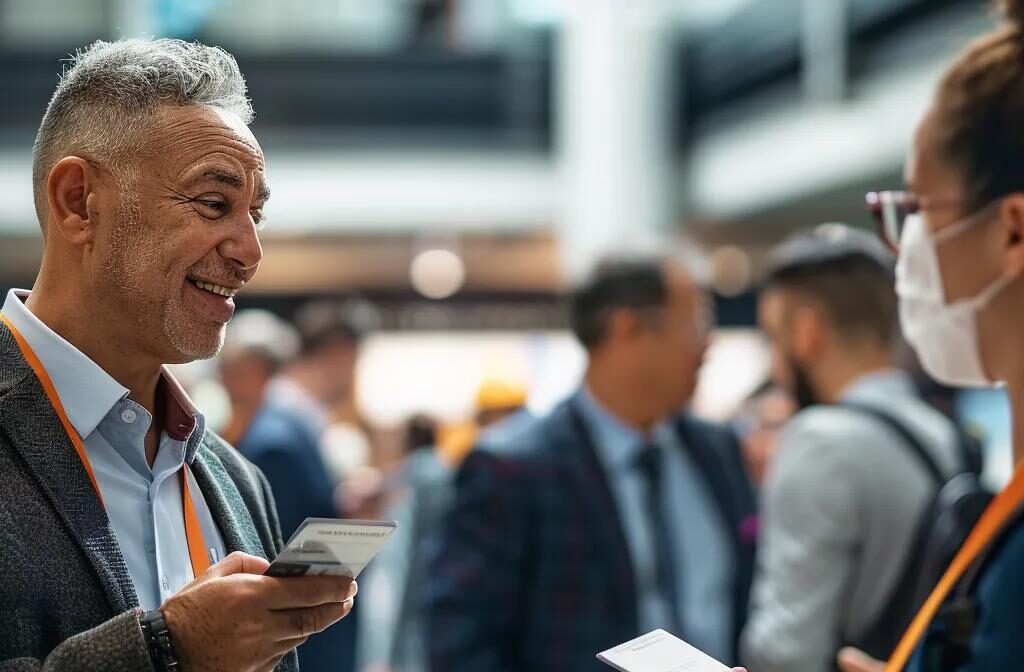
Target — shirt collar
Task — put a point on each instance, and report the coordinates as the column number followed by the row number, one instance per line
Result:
column 181, row 418
column 618, row 444
column 87, row 392
column 880, row 385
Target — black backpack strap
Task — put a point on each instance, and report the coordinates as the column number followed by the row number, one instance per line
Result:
column 910, row 439
column 880, row 636
column 971, row 449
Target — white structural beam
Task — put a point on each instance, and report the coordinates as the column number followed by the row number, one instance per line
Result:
column 613, row 65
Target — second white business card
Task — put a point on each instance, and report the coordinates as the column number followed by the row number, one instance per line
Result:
column 660, row 651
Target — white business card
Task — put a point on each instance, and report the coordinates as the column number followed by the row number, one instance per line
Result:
column 660, row 651
column 326, row 546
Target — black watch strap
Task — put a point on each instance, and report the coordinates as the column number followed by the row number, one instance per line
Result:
column 158, row 641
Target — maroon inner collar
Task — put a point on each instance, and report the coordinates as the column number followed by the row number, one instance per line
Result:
column 174, row 408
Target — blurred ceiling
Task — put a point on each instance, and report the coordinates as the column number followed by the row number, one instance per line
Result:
column 393, row 123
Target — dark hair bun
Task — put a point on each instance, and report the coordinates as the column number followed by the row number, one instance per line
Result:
column 1013, row 10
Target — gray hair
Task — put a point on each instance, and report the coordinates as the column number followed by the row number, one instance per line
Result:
column 110, row 91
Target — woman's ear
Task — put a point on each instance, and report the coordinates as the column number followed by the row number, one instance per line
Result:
column 1012, row 235
column 68, row 187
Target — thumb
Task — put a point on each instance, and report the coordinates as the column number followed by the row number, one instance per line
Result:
column 236, row 563
column 854, row 660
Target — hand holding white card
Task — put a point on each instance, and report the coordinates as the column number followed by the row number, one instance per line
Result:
column 326, row 546
column 660, row 651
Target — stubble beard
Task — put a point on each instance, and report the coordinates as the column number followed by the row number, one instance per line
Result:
column 135, row 250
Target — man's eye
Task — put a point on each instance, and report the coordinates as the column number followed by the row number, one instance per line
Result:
column 217, row 206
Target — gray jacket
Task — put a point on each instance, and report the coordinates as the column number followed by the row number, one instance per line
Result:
column 66, row 599
column 841, row 506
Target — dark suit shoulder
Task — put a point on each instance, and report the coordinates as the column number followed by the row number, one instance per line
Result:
column 719, row 434
column 275, row 429
column 536, row 441
column 13, row 367
column 716, row 439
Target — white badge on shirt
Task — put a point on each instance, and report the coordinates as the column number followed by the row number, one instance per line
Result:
column 326, row 546
column 659, row 651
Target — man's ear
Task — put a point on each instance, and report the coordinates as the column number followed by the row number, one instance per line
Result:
column 1012, row 235
column 807, row 333
column 69, row 186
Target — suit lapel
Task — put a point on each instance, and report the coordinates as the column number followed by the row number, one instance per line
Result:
column 705, row 457
column 595, row 495
column 226, row 504
column 722, row 468
column 38, row 437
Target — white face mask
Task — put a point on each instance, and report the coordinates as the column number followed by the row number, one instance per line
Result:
column 945, row 336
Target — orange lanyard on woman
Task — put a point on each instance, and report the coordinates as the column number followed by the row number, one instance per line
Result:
column 1002, row 508
column 193, row 531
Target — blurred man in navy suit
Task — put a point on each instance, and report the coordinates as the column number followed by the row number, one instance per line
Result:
column 284, row 441
column 615, row 515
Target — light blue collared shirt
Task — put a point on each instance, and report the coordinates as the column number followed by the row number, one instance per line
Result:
column 143, row 504
column 705, row 562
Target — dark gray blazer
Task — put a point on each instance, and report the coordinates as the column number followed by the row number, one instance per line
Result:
column 66, row 599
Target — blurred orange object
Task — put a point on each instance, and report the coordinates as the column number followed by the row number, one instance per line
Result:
column 495, row 400
column 500, row 395
column 456, row 441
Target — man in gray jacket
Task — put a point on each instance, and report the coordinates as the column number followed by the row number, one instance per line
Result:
column 132, row 539
column 845, row 495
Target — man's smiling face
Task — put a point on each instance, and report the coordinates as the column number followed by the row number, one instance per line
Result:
column 182, row 234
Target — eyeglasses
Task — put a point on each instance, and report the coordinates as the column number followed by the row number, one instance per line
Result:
column 890, row 210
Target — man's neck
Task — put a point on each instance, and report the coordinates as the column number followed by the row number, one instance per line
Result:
column 71, row 319
column 836, row 380
column 626, row 402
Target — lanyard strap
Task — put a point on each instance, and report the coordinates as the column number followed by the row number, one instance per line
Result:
column 193, row 530
column 989, row 526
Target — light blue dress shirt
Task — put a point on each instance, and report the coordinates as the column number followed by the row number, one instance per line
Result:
column 705, row 562
column 144, row 504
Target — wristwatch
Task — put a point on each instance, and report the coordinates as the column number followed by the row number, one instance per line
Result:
column 158, row 641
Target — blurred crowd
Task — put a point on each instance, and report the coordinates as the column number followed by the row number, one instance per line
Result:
column 530, row 541
column 841, row 515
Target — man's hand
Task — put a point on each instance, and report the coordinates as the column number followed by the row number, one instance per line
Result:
column 854, row 660
column 234, row 618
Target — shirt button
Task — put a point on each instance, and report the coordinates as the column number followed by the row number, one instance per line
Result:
column 129, row 416
column 167, row 584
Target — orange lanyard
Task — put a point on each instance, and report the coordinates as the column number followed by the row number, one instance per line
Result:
column 193, row 531
column 989, row 526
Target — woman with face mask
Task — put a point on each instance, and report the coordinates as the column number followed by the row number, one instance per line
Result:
column 959, row 231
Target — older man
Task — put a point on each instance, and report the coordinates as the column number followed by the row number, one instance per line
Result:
column 614, row 515
column 132, row 538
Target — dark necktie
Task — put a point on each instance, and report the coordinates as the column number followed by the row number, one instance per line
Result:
column 649, row 464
